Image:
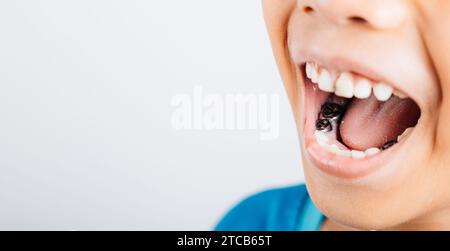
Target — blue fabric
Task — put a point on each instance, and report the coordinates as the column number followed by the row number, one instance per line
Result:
column 282, row 209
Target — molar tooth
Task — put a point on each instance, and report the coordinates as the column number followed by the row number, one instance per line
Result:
column 323, row 144
column 312, row 72
column 358, row 154
column 333, row 149
column 344, row 85
column 400, row 94
column 404, row 134
column 388, row 144
column 325, row 82
column 320, row 136
column 382, row 91
column 363, row 88
column 324, row 125
column 321, row 139
column 331, row 111
column 372, row 151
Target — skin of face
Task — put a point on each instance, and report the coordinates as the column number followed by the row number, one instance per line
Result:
column 408, row 41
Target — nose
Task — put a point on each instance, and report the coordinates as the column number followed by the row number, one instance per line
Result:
column 378, row 14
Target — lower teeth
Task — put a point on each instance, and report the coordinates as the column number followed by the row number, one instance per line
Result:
column 329, row 116
column 388, row 144
column 331, row 111
column 324, row 125
column 328, row 121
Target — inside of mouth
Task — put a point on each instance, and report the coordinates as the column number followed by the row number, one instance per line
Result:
column 361, row 124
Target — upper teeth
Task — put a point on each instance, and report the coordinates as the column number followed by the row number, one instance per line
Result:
column 325, row 81
column 347, row 85
column 382, row 91
column 312, row 72
column 363, row 88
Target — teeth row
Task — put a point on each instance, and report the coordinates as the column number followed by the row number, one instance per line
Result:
column 322, row 139
column 348, row 86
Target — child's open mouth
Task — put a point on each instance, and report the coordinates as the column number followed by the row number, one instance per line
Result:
column 352, row 119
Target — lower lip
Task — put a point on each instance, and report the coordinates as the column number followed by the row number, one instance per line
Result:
column 340, row 166
column 344, row 167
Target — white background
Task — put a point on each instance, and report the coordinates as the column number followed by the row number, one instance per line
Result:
column 86, row 141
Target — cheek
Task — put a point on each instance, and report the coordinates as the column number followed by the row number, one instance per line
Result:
column 433, row 21
column 437, row 39
column 442, row 135
column 277, row 15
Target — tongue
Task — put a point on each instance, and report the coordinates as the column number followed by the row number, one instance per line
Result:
column 370, row 123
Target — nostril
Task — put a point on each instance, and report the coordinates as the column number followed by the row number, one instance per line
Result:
column 357, row 19
column 308, row 9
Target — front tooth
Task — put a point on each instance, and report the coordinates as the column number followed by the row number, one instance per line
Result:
column 363, row 88
column 325, row 81
column 312, row 72
column 404, row 134
column 382, row 91
column 344, row 85
column 372, row 151
column 358, row 154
